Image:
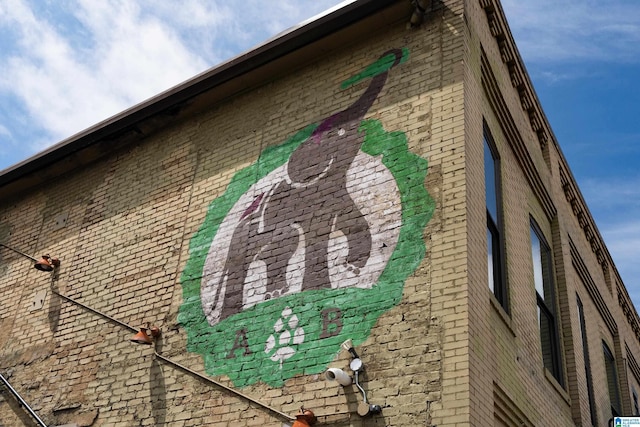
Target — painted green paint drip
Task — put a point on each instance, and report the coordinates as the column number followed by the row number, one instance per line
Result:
column 360, row 307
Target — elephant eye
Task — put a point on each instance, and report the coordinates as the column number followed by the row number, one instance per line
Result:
column 341, row 131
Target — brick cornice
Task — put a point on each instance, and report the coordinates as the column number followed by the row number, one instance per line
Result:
column 517, row 72
column 629, row 311
column 598, row 247
column 521, row 82
column 633, row 363
column 587, row 224
column 592, row 288
column 514, row 138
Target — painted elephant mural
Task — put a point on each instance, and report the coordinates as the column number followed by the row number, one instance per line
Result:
column 310, row 244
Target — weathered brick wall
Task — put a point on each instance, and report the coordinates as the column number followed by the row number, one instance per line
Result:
column 140, row 224
column 263, row 232
column 505, row 354
column 508, row 375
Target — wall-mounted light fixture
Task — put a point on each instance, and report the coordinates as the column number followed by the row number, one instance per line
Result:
column 305, row 418
column 421, row 7
column 348, row 345
column 336, row 374
column 146, row 335
column 46, row 263
column 356, row 365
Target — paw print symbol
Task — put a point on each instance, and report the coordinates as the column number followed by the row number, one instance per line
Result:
column 286, row 333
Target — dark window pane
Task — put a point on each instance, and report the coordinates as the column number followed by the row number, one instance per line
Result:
column 495, row 243
column 490, row 182
column 612, row 381
column 587, row 363
column 490, row 260
column 545, row 296
column 547, row 334
column 496, row 283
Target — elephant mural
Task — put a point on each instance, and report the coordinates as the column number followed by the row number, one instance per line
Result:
column 308, row 245
column 301, row 210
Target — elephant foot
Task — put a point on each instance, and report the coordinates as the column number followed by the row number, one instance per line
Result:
column 276, row 293
column 352, row 268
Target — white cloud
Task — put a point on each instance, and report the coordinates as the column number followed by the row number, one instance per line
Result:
column 7, row 145
column 82, row 61
column 131, row 58
column 620, row 195
column 560, row 30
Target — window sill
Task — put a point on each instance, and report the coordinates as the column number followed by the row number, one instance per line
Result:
column 554, row 382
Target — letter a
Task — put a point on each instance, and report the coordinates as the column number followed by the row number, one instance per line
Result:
column 241, row 342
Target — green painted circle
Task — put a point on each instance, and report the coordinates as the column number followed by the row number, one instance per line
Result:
column 360, row 308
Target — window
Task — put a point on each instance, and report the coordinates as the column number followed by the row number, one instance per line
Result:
column 587, row 363
column 612, row 381
column 497, row 281
column 545, row 296
column 636, row 408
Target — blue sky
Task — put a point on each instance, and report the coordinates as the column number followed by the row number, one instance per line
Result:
column 69, row 64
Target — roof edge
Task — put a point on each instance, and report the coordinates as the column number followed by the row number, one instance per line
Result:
column 280, row 45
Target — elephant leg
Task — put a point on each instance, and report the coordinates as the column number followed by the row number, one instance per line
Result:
column 316, row 274
column 277, row 255
column 233, row 282
column 356, row 229
column 242, row 251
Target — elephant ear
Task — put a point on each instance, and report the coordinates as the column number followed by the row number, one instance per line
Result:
column 387, row 61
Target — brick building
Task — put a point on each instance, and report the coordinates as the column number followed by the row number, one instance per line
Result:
column 381, row 179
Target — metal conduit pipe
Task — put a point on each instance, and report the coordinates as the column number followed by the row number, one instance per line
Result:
column 159, row 356
column 175, row 364
column 224, row 387
column 19, row 252
column 94, row 311
column 22, row 402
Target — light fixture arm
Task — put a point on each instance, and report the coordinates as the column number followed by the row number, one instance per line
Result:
column 364, row 394
column 46, row 263
column 19, row 252
column 224, row 387
column 21, row 401
column 176, row 364
column 94, row 311
column 356, row 366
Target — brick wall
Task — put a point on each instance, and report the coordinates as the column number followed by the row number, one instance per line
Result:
column 505, row 349
column 261, row 232
column 141, row 222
